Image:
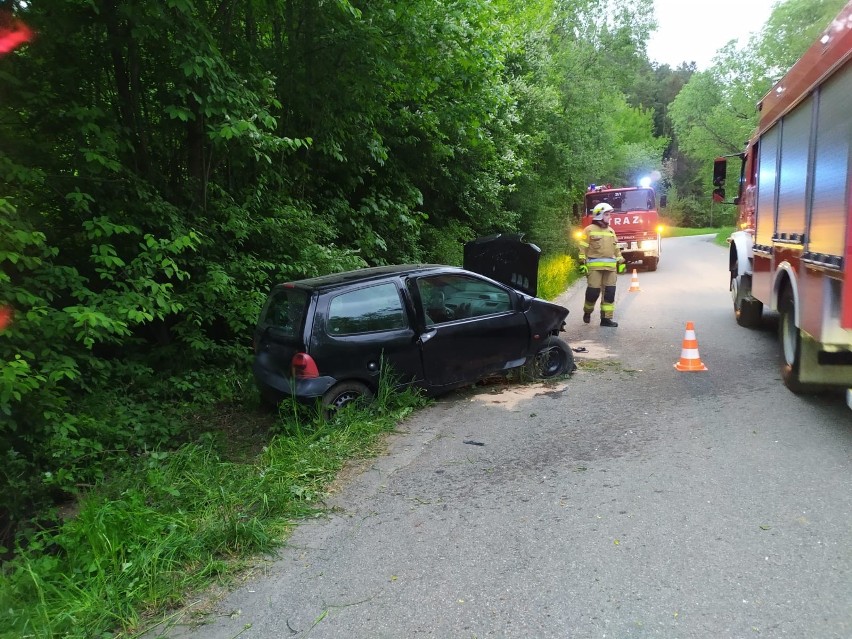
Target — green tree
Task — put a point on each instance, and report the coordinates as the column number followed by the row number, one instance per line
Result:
column 570, row 75
column 715, row 112
column 162, row 164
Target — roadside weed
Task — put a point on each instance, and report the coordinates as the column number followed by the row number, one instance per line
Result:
column 174, row 522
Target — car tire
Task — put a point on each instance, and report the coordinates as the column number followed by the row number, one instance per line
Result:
column 553, row 358
column 343, row 394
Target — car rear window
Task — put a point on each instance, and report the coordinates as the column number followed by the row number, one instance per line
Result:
column 366, row 310
column 285, row 311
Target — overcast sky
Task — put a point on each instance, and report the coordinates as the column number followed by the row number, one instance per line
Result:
column 693, row 30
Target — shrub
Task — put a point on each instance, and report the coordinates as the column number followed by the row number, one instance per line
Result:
column 555, row 274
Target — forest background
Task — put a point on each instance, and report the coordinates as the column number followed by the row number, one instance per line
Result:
column 164, row 163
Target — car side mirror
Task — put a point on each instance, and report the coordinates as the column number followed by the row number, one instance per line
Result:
column 720, row 172
column 719, row 194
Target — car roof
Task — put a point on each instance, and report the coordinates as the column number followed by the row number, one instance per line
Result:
column 333, row 280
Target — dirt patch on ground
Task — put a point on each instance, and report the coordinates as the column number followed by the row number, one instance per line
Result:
column 240, row 431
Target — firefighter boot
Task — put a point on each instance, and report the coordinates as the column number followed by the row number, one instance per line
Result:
column 605, row 321
column 587, row 317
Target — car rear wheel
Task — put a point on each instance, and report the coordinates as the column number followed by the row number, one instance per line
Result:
column 343, row 394
column 553, row 358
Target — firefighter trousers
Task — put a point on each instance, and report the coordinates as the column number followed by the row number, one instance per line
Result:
column 596, row 280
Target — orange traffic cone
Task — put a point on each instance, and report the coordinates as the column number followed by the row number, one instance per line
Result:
column 634, row 283
column 689, row 359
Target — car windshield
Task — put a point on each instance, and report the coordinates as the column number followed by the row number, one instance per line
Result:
column 634, row 200
column 285, row 311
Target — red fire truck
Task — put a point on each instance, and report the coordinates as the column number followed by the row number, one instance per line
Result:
column 793, row 253
column 634, row 220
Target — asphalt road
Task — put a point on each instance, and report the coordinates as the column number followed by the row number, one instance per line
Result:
column 631, row 500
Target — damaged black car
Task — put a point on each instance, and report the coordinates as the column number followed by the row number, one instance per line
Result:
column 437, row 327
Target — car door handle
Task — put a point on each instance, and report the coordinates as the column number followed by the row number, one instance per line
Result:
column 425, row 337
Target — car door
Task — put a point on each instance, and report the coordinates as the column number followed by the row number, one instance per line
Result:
column 364, row 328
column 481, row 329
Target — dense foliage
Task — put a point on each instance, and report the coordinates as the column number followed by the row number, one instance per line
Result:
column 163, row 163
column 715, row 112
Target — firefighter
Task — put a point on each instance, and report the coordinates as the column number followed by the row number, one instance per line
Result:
column 600, row 260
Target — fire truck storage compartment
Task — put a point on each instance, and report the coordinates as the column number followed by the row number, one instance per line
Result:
column 830, row 208
column 765, row 212
column 783, row 209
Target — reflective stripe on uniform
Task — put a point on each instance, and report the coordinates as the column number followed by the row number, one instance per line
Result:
column 601, row 262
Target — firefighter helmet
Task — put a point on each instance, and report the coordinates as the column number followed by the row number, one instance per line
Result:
column 600, row 209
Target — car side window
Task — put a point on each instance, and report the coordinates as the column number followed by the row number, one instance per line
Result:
column 450, row 297
column 366, row 310
column 433, row 294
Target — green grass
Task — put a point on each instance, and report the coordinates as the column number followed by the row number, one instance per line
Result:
column 555, row 274
column 721, row 233
column 179, row 521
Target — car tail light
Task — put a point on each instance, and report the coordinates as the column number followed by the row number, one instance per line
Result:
column 304, row 366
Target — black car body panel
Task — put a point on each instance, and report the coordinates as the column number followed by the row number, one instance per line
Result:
column 436, row 327
column 542, row 316
column 495, row 345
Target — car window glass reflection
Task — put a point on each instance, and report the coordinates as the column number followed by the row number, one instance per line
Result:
column 284, row 311
column 434, row 296
column 377, row 308
column 451, row 297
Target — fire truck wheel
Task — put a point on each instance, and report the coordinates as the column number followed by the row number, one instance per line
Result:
column 790, row 338
column 747, row 311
